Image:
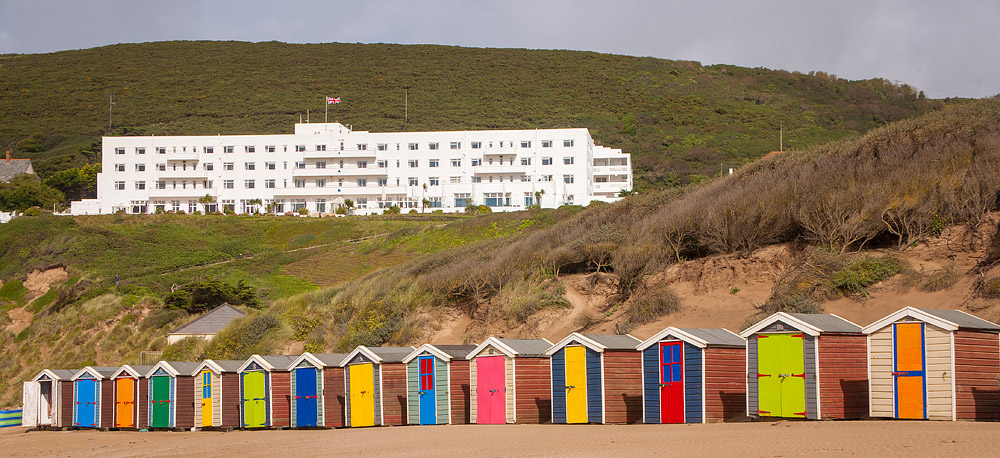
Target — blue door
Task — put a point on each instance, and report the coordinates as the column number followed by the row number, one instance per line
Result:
column 86, row 403
column 428, row 406
column 306, row 400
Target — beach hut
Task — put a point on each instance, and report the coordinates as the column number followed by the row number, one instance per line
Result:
column 127, row 399
column 934, row 365
column 803, row 365
column 170, row 394
column 437, row 384
column 217, row 394
column 693, row 376
column 317, row 387
column 264, row 391
column 596, row 378
column 375, row 383
column 92, row 397
column 511, row 380
column 47, row 399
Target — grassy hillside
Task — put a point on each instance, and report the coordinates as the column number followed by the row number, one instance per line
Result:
column 677, row 118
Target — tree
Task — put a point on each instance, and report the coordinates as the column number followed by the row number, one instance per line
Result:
column 349, row 204
column 91, row 153
column 26, row 191
column 255, row 205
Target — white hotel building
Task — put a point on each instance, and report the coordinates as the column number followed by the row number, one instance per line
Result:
column 323, row 164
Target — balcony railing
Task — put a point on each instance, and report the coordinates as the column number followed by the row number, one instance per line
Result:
column 341, row 172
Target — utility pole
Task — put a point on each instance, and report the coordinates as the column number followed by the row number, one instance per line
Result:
column 406, row 105
column 111, row 103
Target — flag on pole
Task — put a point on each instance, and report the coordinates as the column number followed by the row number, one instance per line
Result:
column 330, row 100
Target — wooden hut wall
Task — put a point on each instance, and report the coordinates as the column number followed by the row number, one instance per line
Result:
column 66, row 404
column 725, row 383
column 142, row 402
column 334, row 397
column 622, row 386
column 184, row 402
column 230, row 396
column 532, row 392
column 843, row 375
column 107, row 403
column 394, row 393
column 376, row 384
column 937, row 342
column 461, row 391
column 977, row 370
column 280, row 398
column 809, row 354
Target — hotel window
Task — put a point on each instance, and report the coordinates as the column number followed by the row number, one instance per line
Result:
column 463, row 199
column 525, row 178
column 477, row 179
column 477, row 162
column 300, row 183
column 362, row 182
column 546, row 161
column 227, row 166
column 161, row 150
column 300, row 148
column 250, row 165
column 545, row 178
column 456, row 162
column 161, row 184
column 227, row 149
column 432, row 162
column 382, row 146
column 432, row 146
column 413, row 146
column 568, row 179
column 477, row 145
column 320, row 147
column 320, row 165
column 567, row 143
column 140, row 185
column 250, row 149
column 567, row 161
column 209, row 166
column 209, row 150
column 269, row 148
column 300, row 165
column 119, row 167
column 362, row 164
column 161, row 167
column 269, row 184
column 207, row 184
column 546, row 143
column 140, row 151
column 140, row 167
column 601, row 179
column 434, row 181
column 362, row 147
column 269, row 165
column 456, row 145
column 525, row 143
column 382, row 164
column 249, row 184
column 525, row 161
column 227, row 184
column 119, row 150
column 413, row 162
column 455, row 179
column 412, row 181
column 383, row 181
column 321, row 183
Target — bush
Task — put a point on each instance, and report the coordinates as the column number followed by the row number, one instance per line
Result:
column 991, row 288
column 858, row 275
column 243, row 338
column 303, row 211
column 651, row 303
column 789, row 304
column 34, row 211
column 200, row 296
column 940, row 280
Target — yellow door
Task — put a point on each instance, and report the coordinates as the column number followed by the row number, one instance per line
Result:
column 576, row 385
column 362, row 401
column 206, row 398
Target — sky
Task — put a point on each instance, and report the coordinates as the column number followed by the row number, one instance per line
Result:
column 945, row 48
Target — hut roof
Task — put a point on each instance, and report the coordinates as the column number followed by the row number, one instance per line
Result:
column 98, row 372
column 596, row 342
column 211, row 322
column 813, row 324
column 135, row 370
column 319, row 359
column 57, row 374
column 946, row 319
column 699, row 337
column 220, row 366
column 445, row 352
column 514, row 347
column 380, row 354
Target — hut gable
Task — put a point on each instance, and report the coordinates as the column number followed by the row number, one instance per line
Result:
column 699, row 337
column 266, row 363
column 596, row 342
column 173, row 368
column 377, row 355
column 55, row 374
column 97, row 373
column 813, row 324
column 134, row 371
column 948, row 320
column 445, row 352
column 513, row 347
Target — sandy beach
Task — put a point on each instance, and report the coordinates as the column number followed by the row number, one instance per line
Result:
column 828, row 438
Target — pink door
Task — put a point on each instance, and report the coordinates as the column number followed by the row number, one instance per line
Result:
column 490, row 391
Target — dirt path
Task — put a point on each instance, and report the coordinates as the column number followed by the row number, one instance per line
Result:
column 807, row 439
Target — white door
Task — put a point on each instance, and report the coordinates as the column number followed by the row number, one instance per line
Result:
column 29, row 409
column 45, row 403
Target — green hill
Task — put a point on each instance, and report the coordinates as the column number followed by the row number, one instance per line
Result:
column 677, row 118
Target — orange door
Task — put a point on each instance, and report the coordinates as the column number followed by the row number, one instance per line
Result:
column 125, row 402
column 909, row 371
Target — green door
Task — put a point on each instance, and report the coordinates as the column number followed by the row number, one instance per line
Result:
column 254, row 412
column 781, row 382
column 161, row 402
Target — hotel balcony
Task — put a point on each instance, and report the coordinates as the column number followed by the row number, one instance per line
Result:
column 180, row 192
column 181, row 173
column 499, row 169
column 337, row 154
column 340, row 172
column 611, row 170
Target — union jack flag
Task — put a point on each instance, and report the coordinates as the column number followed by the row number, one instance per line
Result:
column 330, row 100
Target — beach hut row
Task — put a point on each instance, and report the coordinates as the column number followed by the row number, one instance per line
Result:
column 912, row 364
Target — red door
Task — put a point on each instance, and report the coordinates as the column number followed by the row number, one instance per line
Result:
column 490, row 392
column 671, row 382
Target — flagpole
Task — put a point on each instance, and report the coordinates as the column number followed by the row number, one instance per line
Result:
column 326, row 108
column 111, row 102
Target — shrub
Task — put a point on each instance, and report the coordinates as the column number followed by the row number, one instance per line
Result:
column 34, row 211
column 991, row 288
column 940, row 280
column 303, row 211
column 243, row 337
column 200, row 296
column 789, row 304
column 858, row 275
column 651, row 303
